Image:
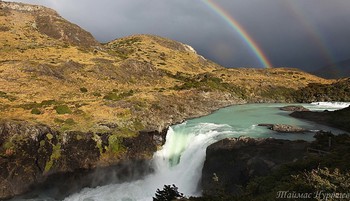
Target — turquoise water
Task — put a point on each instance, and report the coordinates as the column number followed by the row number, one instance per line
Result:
column 245, row 118
column 181, row 159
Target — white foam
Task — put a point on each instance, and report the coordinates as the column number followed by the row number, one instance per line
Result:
column 179, row 162
column 329, row 105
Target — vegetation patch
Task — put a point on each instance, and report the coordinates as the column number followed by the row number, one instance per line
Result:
column 63, row 109
column 4, row 28
column 99, row 144
column 206, row 82
column 118, row 96
column 6, row 96
column 35, row 105
column 70, row 121
column 278, row 93
column 114, row 144
column 97, row 94
column 83, row 90
column 56, row 154
column 57, row 120
column 36, row 111
column 314, row 92
column 67, row 124
column 128, row 42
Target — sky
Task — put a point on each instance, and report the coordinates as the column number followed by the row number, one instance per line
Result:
column 289, row 33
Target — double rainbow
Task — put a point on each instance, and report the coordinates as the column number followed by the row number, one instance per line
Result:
column 261, row 56
column 314, row 33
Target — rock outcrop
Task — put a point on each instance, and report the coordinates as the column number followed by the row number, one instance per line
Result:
column 31, row 154
column 294, row 108
column 50, row 23
column 232, row 162
column 284, row 128
column 338, row 119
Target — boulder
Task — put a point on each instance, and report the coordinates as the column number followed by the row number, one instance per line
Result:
column 284, row 128
column 294, row 108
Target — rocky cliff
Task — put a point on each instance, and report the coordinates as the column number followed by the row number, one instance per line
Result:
column 31, row 153
column 260, row 169
column 231, row 163
column 338, row 119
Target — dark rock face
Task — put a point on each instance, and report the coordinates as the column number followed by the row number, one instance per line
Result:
column 21, row 158
column 33, row 154
column 294, row 108
column 60, row 185
column 144, row 145
column 232, row 162
column 338, row 119
column 284, row 128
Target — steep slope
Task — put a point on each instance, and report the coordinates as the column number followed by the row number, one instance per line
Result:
column 316, row 92
column 68, row 102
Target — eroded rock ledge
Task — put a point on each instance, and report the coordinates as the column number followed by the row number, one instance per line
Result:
column 34, row 153
column 232, row 162
column 338, row 119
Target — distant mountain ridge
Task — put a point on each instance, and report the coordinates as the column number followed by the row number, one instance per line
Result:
column 338, row 70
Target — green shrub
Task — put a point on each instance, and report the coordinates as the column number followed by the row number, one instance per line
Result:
column 168, row 193
column 83, row 90
column 63, row 109
column 114, row 144
column 97, row 94
column 70, row 121
column 48, row 102
column 118, row 96
column 60, row 121
column 35, row 111
column 112, row 96
column 35, row 105
column 5, row 95
column 29, row 106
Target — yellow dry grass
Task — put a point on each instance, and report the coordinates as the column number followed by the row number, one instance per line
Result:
column 36, row 68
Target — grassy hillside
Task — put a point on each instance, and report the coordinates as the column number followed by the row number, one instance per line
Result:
column 48, row 64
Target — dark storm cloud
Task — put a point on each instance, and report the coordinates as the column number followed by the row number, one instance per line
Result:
column 294, row 33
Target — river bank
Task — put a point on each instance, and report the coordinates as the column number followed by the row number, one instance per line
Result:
column 182, row 157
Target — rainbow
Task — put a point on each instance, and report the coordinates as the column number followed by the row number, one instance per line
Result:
column 263, row 59
column 311, row 29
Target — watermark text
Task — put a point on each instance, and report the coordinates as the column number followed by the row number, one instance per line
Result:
column 319, row 195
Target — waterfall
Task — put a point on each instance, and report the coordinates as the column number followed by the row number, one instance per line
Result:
column 179, row 162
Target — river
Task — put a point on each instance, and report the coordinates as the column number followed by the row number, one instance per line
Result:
column 181, row 159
